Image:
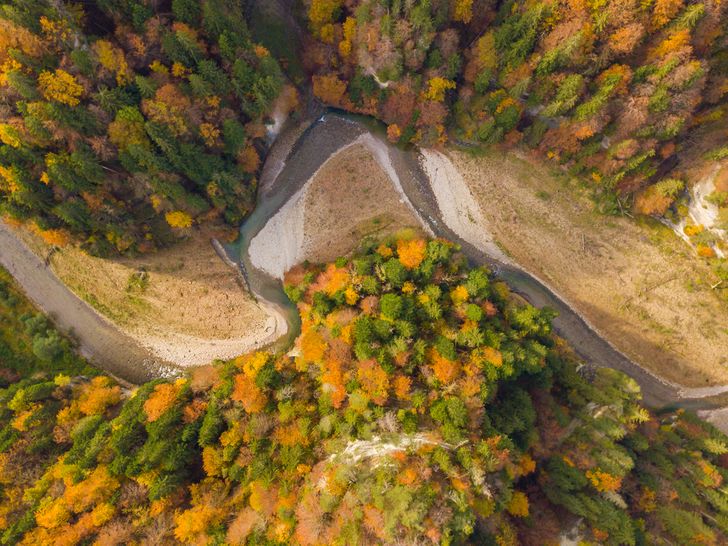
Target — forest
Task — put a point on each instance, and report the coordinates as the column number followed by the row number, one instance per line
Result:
column 483, row 428
column 125, row 122
column 28, row 341
column 612, row 90
column 423, row 401
column 120, row 125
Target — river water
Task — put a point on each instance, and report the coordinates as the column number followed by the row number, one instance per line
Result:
column 298, row 159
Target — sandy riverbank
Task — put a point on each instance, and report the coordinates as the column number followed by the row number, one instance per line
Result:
column 279, row 245
column 189, row 351
column 718, row 418
column 354, row 193
column 459, row 208
column 98, row 339
column 637, row 284
column 350, row 199
column 186, row 308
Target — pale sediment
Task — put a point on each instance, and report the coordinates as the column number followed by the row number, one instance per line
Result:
column 190, row 351
column 282, row 242
column 459, row 209
column 621, row 285
column 701, row 212
column 717, row 417
column 279, row 245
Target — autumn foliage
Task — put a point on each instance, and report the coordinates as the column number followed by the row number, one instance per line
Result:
column 148, row 117
column 161, row 400
column 440, row 409
column 596, row 88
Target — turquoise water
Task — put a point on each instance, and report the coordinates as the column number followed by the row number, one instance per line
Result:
column 318, row 142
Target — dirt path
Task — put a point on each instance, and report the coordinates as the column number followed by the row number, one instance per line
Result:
column 99, row 340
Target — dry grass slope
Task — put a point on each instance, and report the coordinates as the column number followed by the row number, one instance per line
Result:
column 351, row 198
column 635, row 281
column 183, row 302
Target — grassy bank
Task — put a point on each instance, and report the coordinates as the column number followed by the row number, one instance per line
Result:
column 183, row 300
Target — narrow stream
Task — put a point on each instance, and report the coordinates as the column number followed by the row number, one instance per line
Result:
column 319, row 141
column 333, row 130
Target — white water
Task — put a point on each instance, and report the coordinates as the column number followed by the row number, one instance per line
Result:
column 274, row 129
column 281, row 109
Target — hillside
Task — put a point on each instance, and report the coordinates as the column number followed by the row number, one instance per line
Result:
column 615, row 92
column 641, row 286
column 422, row 402
column 122, row 125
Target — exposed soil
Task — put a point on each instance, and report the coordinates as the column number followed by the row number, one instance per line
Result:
column 635, row 281
column 349, row 199
column 97, row 339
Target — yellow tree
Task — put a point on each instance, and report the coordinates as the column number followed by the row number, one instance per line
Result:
column 444, row 369
column 98, row 395
column 518, row 506
column 248, row 159
column 394, row 133
column 17, row 37
column 349, row 28
column 60, row 86
column 463, row 11
column 178, row 219
column 329, row 89
column 9, row 135
column 321, row 13
column 192, row 524
column 112, row 59
column 411, row 253
column 55, row 237
column 248, row 394
column 374, row 381
column 437, row 87
column 169, row 106
column 664, row 11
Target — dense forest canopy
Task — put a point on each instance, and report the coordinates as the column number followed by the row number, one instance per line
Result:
column 611, row 89
column 28, row 341
column 121, row 121
column 423, row 403
column 124, row 122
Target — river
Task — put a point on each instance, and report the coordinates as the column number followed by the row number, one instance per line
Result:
column 297, row 159
column 97, row 338
column 295, row 156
